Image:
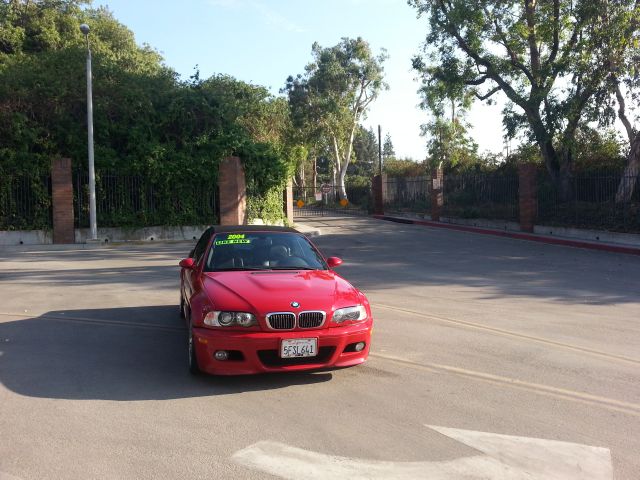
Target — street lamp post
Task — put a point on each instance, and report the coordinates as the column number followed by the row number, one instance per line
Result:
column 84, row 28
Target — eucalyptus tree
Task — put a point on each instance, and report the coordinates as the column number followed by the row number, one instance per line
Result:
column 448, row 100
column 627, row 184
column 618, row 99
column 334, row 93
column 387, row 147
column 548, row 57
column 365, row 148
column 306, row 120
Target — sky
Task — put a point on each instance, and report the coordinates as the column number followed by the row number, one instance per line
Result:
column 264, row 41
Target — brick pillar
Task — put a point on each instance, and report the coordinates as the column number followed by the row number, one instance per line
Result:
column 287, row 201
column 378, row 188
column 233, row 192
column 437, row 197
column 62, row 200
column 528, row 196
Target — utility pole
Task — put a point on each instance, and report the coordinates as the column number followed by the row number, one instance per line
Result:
column 93, row 224
column 380, row 149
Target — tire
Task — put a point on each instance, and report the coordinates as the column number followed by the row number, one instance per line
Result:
column 194, row 369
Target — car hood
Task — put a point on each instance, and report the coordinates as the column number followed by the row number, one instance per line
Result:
column 262, row 292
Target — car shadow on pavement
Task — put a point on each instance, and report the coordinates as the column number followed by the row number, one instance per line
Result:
column 126, row 354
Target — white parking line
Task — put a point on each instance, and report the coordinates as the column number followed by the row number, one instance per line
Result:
column 504, row 457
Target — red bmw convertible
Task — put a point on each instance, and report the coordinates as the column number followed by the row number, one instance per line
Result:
column 263, row 299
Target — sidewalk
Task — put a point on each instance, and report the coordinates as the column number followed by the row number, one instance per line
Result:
column 532, row 237
column 307, row 230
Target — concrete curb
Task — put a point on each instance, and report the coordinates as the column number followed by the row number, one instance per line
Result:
column 104, row 245
column 606, row 247
column 307, row 230
column 55, row 247
column 98, row 245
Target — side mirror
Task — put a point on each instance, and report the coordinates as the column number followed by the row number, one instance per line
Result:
column 334, row 262
column 188, row 263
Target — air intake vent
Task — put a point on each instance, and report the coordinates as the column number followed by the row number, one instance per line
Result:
column 281, row 321
column 311, row 319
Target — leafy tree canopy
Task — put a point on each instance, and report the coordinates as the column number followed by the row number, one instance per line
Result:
column 404, row 167
column 365, row 147
column 549, row 58
column 387, row 147
column 146, row 119
column 332, row 96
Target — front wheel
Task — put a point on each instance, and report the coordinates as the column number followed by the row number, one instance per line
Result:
column 194, row 369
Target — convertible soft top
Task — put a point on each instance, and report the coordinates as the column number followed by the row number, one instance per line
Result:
column 249, row 228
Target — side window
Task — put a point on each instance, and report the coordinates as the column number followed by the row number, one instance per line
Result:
column 201, row 246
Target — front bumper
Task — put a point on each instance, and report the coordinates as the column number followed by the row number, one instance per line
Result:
column 258, row 352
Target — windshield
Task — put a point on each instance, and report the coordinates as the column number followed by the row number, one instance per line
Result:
column 263, row 251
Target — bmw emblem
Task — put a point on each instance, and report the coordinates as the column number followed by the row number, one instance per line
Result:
column 295, row 304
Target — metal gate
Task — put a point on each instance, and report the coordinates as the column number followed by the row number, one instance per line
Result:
column 325, row 201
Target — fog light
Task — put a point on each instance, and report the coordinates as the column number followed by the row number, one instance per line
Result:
column 359, row 346
column 221, row 355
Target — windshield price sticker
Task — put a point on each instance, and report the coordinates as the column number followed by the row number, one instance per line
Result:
column 233, row 239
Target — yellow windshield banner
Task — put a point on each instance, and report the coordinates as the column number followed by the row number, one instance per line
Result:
column 231, row 242
column 233, row 239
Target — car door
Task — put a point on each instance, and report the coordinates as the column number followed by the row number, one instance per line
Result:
column 190, row 276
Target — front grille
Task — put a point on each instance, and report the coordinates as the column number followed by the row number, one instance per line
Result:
column 281, row 321
column 310, row 319
column 271, row 358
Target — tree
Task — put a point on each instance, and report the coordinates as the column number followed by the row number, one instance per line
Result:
column 612, row 103
column 365, row 148
column 448, row 144
column 448, row 100
column 598, row 150
column 335, row 92
column 627, row 184
column 387, row 147
column 404, row 167
column 147, row 121
column 548, row 58
column 306, row 120
column 42, row 86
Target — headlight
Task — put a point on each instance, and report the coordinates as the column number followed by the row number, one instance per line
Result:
column 350, row 314
column 230, row 319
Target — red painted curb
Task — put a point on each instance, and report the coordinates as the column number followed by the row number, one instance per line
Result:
column 520, row 236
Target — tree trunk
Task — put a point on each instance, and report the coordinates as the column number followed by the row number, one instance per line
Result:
column 559, row 165
column 301, row 175
column 315, row 174
column 342, row 167
column 333, row 181
column 565, row 179
column 342, row 192
column 627, row 184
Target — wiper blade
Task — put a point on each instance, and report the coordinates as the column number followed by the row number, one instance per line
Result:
column 293, row 268
column 239, row 269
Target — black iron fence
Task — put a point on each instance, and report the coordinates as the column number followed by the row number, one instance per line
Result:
column 602, row 201
column 326, row 200
column 596, row 200
column 407, row 194
column 492, row 196
column 25, row 202
column 137, row 201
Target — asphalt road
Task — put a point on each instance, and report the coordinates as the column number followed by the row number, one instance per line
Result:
column 473, row 334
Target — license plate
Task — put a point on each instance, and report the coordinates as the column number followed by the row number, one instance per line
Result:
column 299, row 347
